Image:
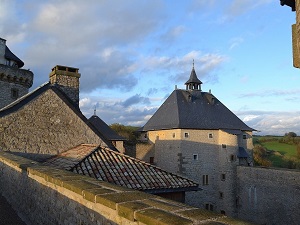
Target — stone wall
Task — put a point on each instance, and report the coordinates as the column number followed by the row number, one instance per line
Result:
column 268, row 195
column 53, row 127
column 199, row 155
column 13, row 78
column 45, row 195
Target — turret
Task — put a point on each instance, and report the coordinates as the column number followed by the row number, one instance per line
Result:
column 193, row 83
column 14, row 81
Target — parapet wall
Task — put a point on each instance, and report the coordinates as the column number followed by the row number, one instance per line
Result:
column 268, row 195
column 46, row 195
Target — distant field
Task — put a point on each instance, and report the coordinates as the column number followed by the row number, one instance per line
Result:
column 284, row 149
column 280, row 154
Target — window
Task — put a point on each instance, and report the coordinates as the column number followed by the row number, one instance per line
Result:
column 210, row 135
column 195, row 156
column 244, row 136
column 186, row 135
column 224, row 146
column 221, row 195
column 223, row 176
column 209, row 207
column 151, row 160
column 232, row 158
column 14, row 93
column 205, row 179
column 223, row 212
column 174, row 135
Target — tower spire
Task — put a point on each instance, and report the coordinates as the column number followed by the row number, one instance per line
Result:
column 193, row 83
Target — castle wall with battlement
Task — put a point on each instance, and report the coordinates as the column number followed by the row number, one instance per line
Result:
column 46, row 195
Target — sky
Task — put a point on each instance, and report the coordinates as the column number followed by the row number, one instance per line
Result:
column 132, row 53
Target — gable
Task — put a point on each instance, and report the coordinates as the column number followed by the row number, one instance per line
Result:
column 43, row 124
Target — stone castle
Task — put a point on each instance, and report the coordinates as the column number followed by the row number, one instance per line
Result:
column 192, row 135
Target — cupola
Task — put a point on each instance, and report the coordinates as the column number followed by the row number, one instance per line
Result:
column 193, row 83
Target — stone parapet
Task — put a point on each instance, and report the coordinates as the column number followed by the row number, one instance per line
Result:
column 15, row 75
column 46, row 195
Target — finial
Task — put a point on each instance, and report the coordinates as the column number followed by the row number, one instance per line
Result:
column 95, row 111
column 193, row 63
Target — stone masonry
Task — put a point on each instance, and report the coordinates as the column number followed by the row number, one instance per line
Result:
column 45, row 195
column 53, row 127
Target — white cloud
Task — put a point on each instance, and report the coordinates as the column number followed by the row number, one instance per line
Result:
column 271, row 122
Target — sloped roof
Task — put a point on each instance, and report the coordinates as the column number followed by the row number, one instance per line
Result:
column 22, row 101
column 193, row 78
column 11, row 56
column 108, row 133
column 107, row 165
column 194, row 109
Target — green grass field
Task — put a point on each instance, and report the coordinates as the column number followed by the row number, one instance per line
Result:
column 282, row 148
column 280, row 154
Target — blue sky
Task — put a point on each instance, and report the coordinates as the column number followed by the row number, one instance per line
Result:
column 131, row 54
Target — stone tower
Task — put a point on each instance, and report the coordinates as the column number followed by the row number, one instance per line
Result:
column 14, row 81
column 67, row 79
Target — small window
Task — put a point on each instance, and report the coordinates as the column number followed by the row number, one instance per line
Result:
column 223, row 176
column 232, row 158
column 244, row 136
column 151, row 160
column 14, row 93
column 186, row 135
column 209, row 207
column 205, row 179
column 195, row 156
column 223, row 212
column 174, row 135
column 145, row 135
column 210, row 135
column 221, row 195
column 224, row 146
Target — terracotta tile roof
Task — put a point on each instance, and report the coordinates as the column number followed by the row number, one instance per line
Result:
column 107, row 165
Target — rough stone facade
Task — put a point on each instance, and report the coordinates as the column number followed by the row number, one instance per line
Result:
column 208, row 157
column 14, row 83
column 67, row 79
column 268, row 196
column 53, row 127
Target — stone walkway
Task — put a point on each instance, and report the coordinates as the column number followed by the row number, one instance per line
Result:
column 8, row 216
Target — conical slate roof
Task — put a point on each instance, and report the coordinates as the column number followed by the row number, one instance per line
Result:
column 189, row 109
column 193, row 78
column 11, row 56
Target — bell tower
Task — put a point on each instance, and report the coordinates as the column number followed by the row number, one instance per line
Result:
column 193, row 83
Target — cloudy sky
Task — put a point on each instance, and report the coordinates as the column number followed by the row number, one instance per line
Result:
column 132, row 53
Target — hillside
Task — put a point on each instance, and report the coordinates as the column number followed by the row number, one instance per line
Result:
column 277, row 151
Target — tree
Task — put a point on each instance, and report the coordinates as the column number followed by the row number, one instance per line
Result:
column 290, row 134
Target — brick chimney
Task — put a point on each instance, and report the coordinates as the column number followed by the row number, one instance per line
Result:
column 67, row 79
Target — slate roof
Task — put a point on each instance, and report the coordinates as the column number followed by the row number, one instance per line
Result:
column 194, row 109
column 108, row 133
column 11, row 56
column 193, row 78
column 107, row 165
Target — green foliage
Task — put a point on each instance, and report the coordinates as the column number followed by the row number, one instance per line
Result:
column 280, row 151
column 128, row 132
column 260, row 156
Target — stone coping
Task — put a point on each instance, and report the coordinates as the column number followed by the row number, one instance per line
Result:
column 135, row 206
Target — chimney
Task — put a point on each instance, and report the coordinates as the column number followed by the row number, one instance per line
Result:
column 2, row 51
column 67, row 79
